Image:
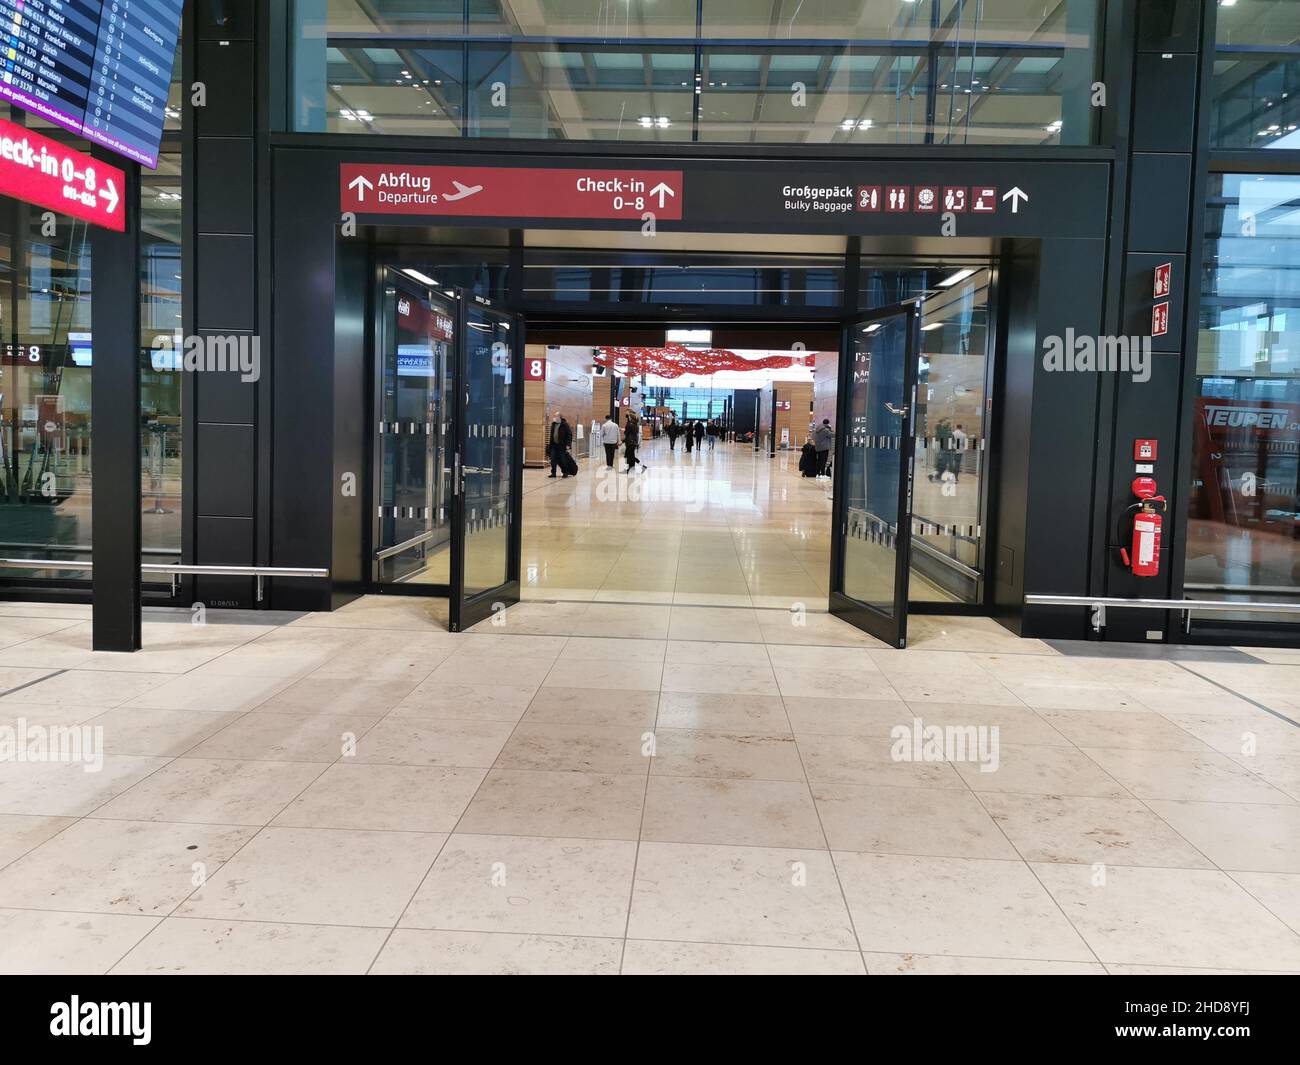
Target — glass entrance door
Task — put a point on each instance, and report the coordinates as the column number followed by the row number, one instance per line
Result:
column 875, row 448
column 416, row 340
column 489, row 466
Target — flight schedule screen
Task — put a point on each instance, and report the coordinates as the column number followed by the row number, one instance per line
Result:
column 100, row 68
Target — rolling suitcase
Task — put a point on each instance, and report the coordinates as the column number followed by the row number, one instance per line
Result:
column 568, row 465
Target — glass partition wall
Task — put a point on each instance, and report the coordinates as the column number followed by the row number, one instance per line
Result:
column 711, row 71
column 1243, row 530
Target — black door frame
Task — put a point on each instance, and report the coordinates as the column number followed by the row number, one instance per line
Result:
column 891, row 629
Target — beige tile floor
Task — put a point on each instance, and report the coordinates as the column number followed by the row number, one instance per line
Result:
column 607, row 787
column 721, row 526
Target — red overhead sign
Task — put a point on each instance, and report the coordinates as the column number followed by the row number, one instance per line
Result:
column 510, row 192
column 38, row 170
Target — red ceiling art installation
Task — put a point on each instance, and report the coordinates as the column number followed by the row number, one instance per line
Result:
column 674, row 360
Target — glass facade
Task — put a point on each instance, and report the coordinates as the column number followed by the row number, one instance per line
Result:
column 1256, row 75
column 160, row 317
column 45, row 416
column 711, row 71
column 1243, row 534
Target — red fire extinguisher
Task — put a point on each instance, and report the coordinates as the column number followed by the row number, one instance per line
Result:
column 1143, row 559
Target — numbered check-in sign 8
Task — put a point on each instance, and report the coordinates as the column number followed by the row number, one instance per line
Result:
column 534, row 368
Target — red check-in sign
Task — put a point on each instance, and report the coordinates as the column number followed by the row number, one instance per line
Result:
column 36, row 169
column 510, row 192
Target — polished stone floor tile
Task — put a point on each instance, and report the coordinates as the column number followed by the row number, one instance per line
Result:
column 964, row 906
column 529, row 802
column 1242, row 836
column 131, row 867
column 466, row 702
column 399, row 740
column 578, row 748
column 688, row 768
column 644, row 957
column 1081, row 829
column 549, row 886
column 1191, row 917
column 1193, row 775
column 752, row 813
column 735, row 755
column 867, row 760
column 67, row 789
column 213, row 791
column 711, row 679
column 181, row 945
column 606, row 707
column 1041, row 771
column 318, row 876
column 891, row 820
column 418, row 951
column 722, row 712
column 50, row 943
column 20, row 833
column 777, row 897
column 391, row 798
column 158, row 733
column 942, row 965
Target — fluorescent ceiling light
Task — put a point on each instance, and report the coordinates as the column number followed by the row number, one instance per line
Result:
column 872, row 327
column 932, row 325
column 952, row 279
column 424, row 279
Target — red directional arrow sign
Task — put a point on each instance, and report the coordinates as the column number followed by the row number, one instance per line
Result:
column 510, row 192
column 42, row 171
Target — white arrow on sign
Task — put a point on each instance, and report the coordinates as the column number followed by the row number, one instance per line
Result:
column 661, row 190
column 1017, row 196
column 360, row 183
column 109, row 192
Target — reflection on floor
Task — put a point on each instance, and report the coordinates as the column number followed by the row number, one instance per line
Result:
column 608, row 787
column 719, row 526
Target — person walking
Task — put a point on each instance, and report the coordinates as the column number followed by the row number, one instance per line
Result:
column 672, row 430
column 561, row 436
column 699, row 434
column 958, row 445
column 632, row 441
column 689, row 431
column 609, row 438
column 823, row 438
column 713, row 431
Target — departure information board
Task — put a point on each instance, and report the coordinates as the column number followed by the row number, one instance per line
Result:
column 100, row 68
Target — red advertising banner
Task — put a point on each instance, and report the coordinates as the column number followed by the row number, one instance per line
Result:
column 36, row 169
column 510, row 192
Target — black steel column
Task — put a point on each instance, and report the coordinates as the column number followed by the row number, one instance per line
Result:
column 115, row 409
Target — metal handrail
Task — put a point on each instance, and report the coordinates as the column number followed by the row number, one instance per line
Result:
column 1099, row 603
column 405, row 545
column 175, row 570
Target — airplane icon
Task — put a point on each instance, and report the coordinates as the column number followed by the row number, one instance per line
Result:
column 461, row 191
